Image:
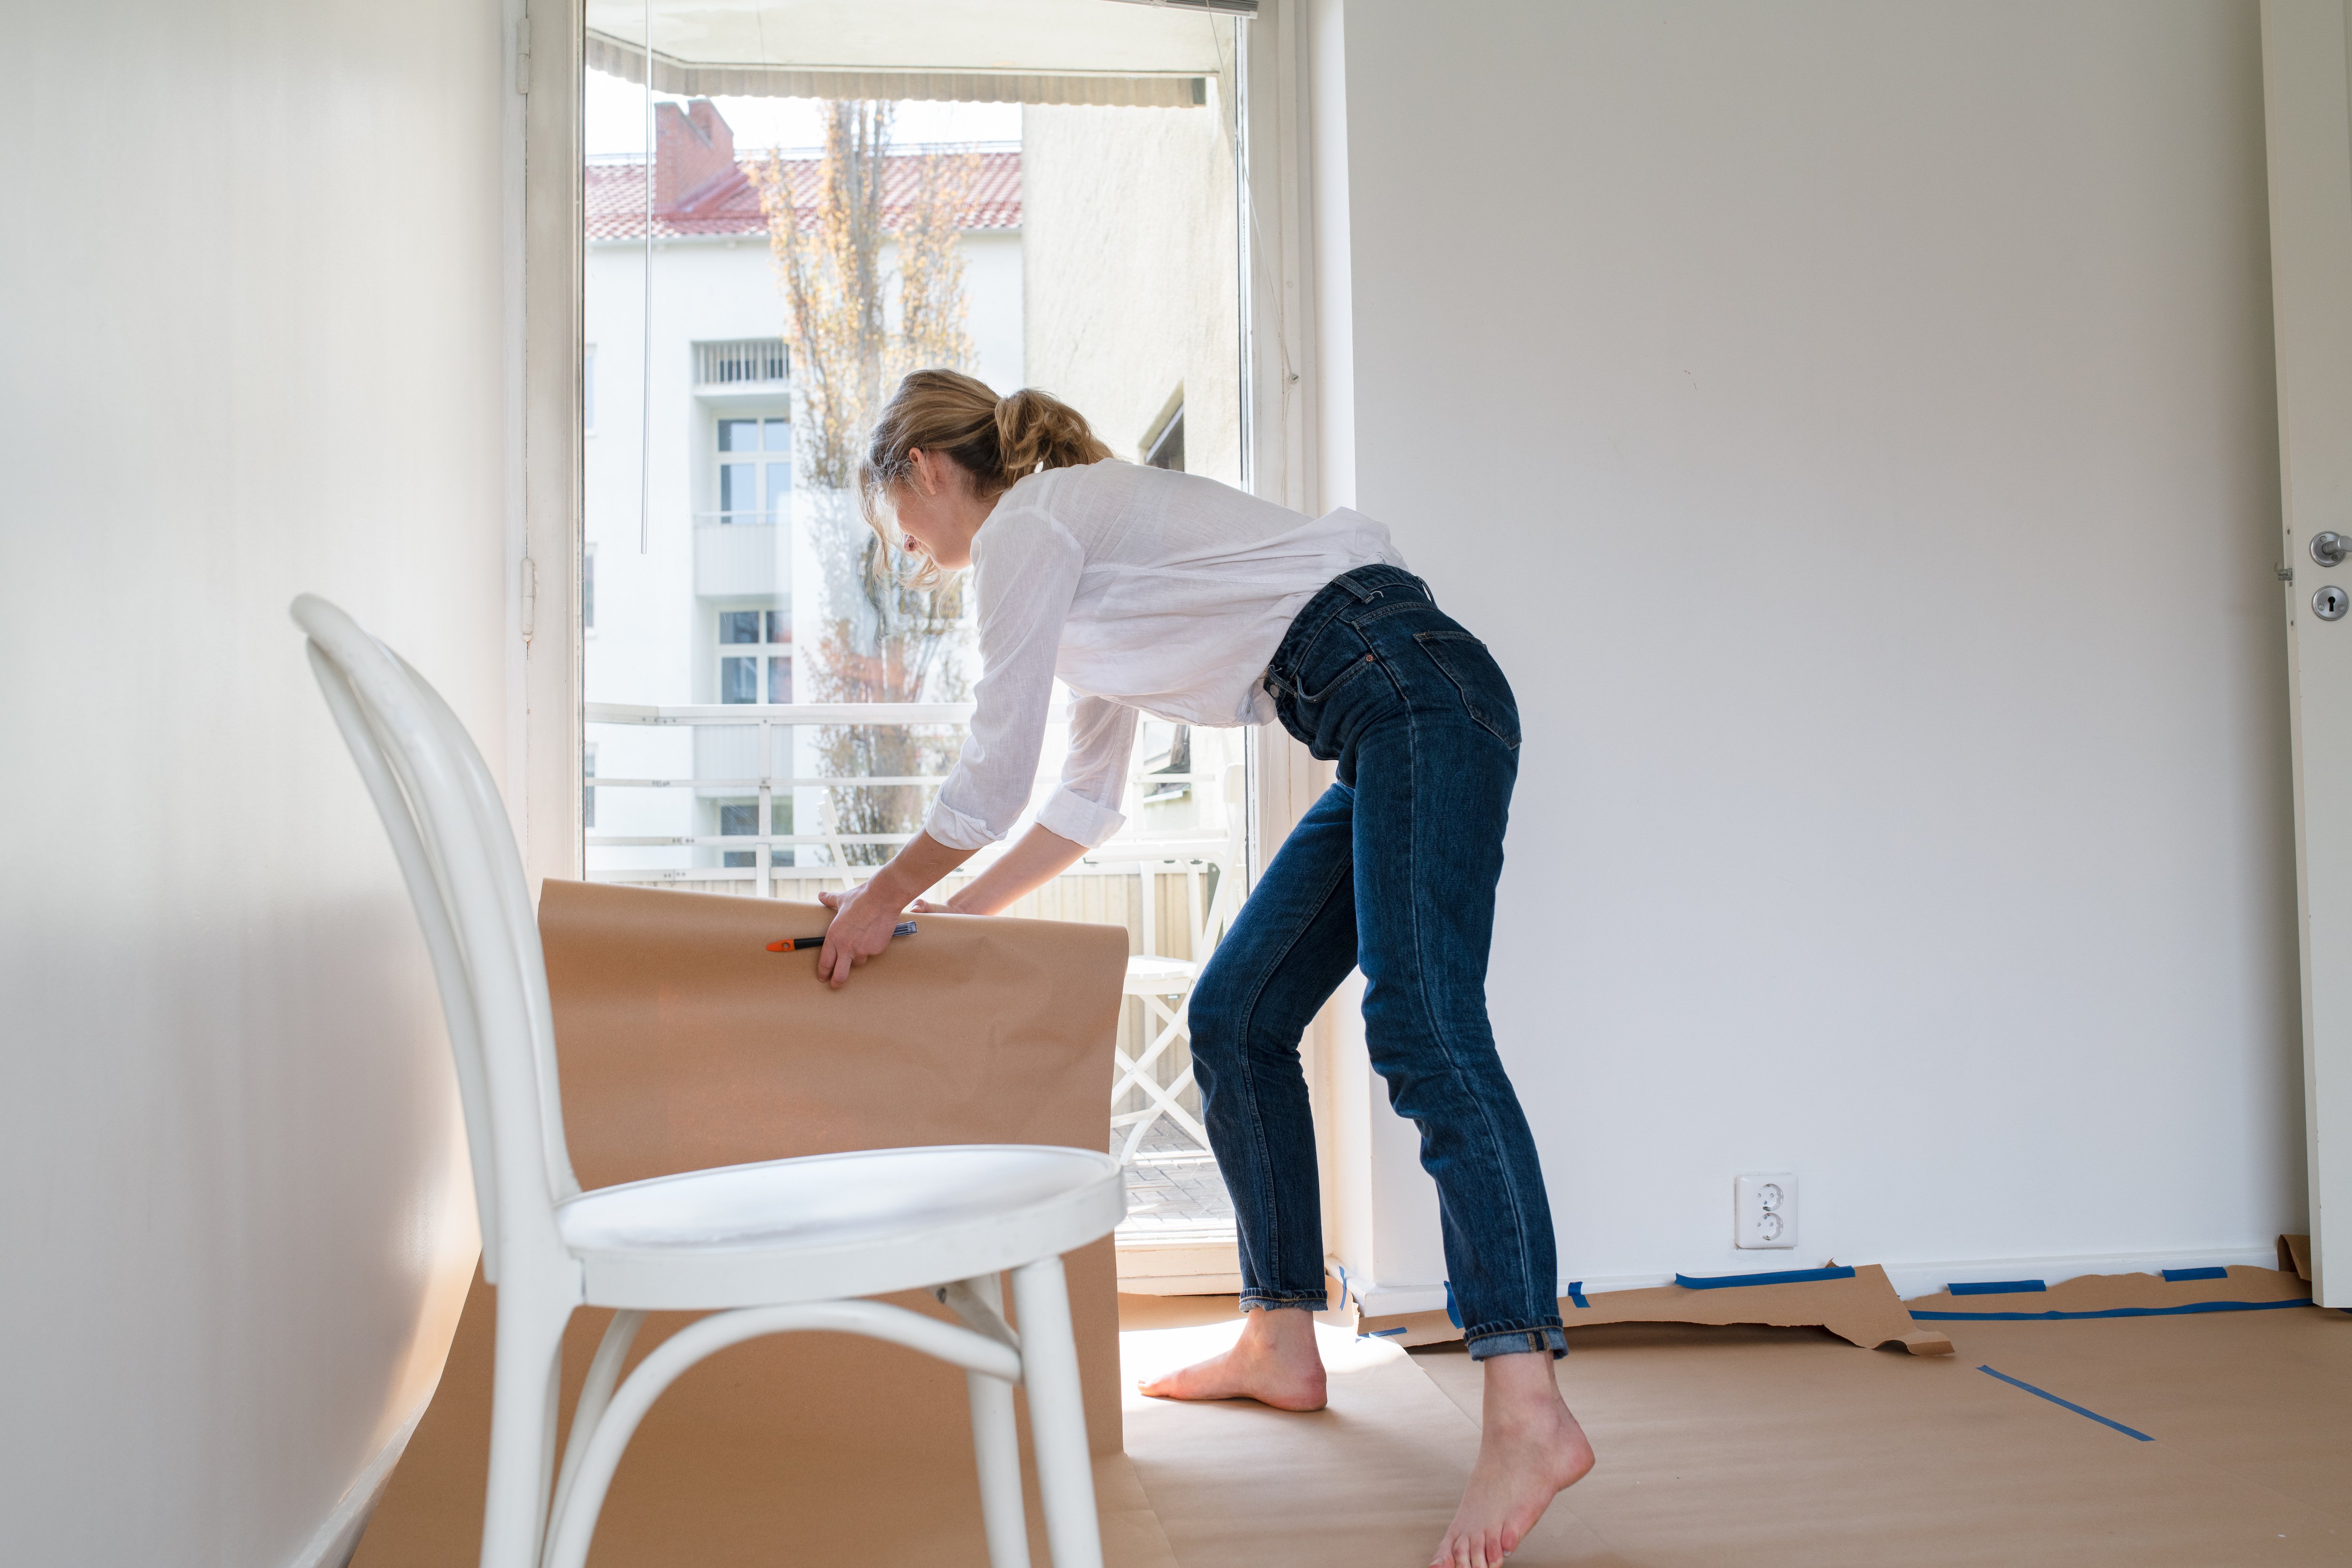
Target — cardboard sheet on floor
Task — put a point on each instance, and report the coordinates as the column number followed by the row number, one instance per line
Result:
column 1370, row 1481
column 1861, row 1308
column 684, row 1044
column 1781, row 1448
column 2294, row 1255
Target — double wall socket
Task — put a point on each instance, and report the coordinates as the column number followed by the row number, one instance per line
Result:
column 1764, row 1210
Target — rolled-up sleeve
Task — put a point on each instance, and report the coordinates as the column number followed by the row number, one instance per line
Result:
column 1025, row 578
column 1094, row 778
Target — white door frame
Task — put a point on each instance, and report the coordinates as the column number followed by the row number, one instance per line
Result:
column 2307, row 99
column 548, row 571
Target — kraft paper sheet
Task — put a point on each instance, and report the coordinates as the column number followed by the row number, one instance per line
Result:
column 1862, row 1310
column 684, row 1044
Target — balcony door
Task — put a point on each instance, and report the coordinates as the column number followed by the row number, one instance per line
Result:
column 775, row 224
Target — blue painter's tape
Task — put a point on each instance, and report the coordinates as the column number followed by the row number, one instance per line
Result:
column 2177, row 1275
column 1788, row 1277
column 1382, row 1334
column 2187, row 1310
column 1997, row 1286
column 2068, row 1404
column 1576, row 1292
column 1452, row 1312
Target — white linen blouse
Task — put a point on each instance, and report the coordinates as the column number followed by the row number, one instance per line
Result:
column 1143, row 590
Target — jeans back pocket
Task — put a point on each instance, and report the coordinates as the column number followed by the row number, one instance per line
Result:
column 1486, row 695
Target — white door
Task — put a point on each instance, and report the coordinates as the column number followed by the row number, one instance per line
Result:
column 2307, row 91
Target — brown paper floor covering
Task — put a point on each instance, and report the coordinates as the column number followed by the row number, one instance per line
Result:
column 1767, row 1446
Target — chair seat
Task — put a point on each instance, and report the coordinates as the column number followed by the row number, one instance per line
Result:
column 830, row 1227
column 1153, row 976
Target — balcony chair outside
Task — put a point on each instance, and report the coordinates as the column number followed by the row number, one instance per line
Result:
column 765, row 1248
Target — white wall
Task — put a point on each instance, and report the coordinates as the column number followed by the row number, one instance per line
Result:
column 252, row 298
column 1852, row 427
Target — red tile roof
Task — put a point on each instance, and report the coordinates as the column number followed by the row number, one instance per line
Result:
column 730, row 205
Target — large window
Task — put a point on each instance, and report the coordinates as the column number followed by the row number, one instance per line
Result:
column 780, row 223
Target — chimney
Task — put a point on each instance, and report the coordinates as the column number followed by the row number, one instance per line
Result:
column 692, row 147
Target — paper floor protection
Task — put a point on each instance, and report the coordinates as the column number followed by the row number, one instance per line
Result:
column 1858, row 1305
column 684, row 1043
column 1771, row 1446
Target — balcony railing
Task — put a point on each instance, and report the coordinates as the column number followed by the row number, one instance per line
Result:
column 741, row 362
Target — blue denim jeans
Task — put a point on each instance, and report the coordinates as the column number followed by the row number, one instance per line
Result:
column 1393, row 871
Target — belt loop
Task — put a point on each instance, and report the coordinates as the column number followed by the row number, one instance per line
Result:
column 1364, row 595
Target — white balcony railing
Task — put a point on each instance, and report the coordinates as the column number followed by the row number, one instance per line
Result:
column 741, row 362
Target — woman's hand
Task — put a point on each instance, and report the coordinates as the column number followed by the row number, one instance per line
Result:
column 864, row 916
column 861, row 928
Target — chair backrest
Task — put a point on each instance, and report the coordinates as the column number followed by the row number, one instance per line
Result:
column 457, row 853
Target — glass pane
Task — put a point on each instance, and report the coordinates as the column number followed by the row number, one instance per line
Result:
column 1087, row 249
column 739, row 817
column 739, row 494
column 738, row 625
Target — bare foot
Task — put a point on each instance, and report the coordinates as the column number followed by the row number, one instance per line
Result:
column 1275, row 1362
column 1530, row 1449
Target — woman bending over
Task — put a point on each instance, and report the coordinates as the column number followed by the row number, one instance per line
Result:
column 1151, row 591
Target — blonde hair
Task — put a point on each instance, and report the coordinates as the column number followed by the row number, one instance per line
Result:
column 999, row 440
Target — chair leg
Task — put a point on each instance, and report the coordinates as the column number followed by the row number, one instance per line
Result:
column 995, row 1438
column 522, row 1428
column 996, row 1444
column 603, row 1374
column 1057, row 1414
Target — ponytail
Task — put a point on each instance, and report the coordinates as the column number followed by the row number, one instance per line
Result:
column 1037, row 430
column 998, row 440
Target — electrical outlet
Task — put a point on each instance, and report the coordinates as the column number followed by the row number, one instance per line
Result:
column 1764, row 1210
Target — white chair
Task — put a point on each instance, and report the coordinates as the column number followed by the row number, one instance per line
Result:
column 765, row 1248
column 1164, row 985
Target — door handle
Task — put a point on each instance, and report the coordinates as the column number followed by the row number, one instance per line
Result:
column 2330, row 549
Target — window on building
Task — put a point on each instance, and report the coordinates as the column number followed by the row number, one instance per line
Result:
column 588, row 588
column 755, row 656
column 755, row 471
column 588, row 786
column 741, row 820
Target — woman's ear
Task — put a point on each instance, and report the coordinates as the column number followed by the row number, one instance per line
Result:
column 924, row 470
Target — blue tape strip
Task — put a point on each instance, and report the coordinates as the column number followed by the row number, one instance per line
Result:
column 2177, row 1275
column 1452, row 1312
column 1576, row 1292
column 1788, row 1277
column 2045, row 1393
column 2181, row 1312
column 1381, row 1333
column 1997, row 1286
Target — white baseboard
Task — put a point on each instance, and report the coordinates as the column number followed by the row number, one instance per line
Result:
column 1910, row 1280
column 338, row 1535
